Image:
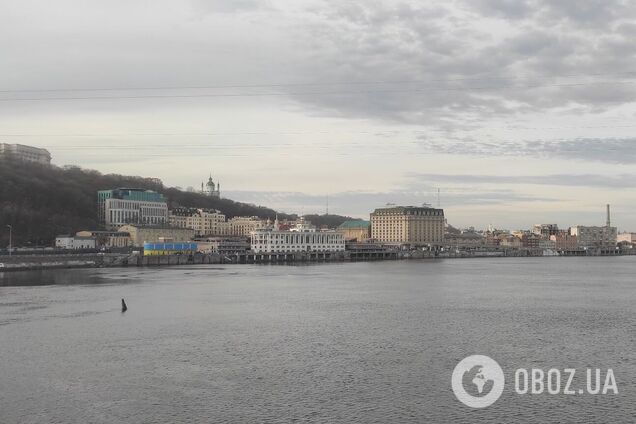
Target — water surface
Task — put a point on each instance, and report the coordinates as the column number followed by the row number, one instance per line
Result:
column 346, row 342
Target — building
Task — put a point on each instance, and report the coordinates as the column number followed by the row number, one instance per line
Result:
column 590, row 237
column 25, row 153
column 358, row 230
column 464, row 240
column 532, row 240
column 75, row 242
column 223, row 245
column 146, row 234
column 564, row 241
column 303, row 238
column 204, row 222
column 131, row 206
column 211, row 189
column 109, row 239
column 408, row 225
column 545, row 230
column 244, row 225
column 508, row 240
column 626, row 237
column 169, row 248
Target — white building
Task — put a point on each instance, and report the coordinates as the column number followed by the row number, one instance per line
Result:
column 25, row 153
column 303, row 238
column 75, row 242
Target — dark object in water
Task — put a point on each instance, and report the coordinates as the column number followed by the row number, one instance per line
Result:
column 124, row 308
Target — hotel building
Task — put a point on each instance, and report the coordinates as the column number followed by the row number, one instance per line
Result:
column 408, row 225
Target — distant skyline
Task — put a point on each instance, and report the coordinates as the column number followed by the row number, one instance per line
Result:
column 520, row 112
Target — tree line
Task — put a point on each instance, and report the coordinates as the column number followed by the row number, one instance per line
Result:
column 41, row 202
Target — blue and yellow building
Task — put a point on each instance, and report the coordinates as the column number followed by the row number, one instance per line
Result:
column 161, row 249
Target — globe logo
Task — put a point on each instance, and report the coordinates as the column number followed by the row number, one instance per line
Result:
column 478, row 381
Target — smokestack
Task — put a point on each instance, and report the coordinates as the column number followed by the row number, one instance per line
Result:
column 608, row 216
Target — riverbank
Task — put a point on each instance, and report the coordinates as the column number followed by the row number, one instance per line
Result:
column 108, row 260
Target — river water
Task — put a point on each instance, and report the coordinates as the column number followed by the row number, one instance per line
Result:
column 371, row 342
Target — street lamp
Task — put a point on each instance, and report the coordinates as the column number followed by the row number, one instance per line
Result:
column 10, row 236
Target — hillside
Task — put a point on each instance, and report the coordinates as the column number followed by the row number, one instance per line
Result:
column 41, row 202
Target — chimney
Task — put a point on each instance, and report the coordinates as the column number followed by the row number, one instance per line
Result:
column 608, row 216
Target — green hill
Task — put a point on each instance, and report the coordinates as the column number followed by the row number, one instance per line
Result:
column 41, row 202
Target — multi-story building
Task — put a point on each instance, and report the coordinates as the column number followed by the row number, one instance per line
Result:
column 408, row 225
column 626, row 237
column 464, row 240
column 204, row 222
column 358, row 230
column 25, row 153
column 302, row 238
column 145, row 234
column 532, row 240
column 545, row 230
column 131, row 206
column 589, row 237
column 244, row 225
column 564, row 241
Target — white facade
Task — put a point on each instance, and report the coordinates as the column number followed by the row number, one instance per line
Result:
column 121, row 212
column 274, row 241
column 25, row 153
column 75, row 242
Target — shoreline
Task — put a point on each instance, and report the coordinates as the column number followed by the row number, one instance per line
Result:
column 114, row 260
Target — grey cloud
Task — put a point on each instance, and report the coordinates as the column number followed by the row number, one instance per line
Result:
column 360, row 203
column 512, row 9
column 618, row 151
column 228, row 6
column 473, row 74
column 622, row 181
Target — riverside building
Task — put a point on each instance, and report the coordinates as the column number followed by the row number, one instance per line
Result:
column 591, row 237
column 244, row 225
column 355, row 230
column 131, row 206
column 408, row 225
column 302, row 238
column 204, row 222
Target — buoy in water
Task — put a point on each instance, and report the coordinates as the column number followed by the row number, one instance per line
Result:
column 124, row 308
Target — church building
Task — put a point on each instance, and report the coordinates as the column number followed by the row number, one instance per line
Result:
column 211, row 189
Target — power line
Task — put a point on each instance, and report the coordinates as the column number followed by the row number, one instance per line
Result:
column 378, row 133
column 311, row 93
column 317, row 84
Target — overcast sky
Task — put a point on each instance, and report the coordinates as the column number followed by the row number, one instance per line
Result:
column 519, row 112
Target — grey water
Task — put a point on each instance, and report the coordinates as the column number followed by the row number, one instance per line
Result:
column 372, row 342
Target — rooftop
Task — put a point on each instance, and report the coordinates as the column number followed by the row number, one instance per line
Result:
column 353, row 224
